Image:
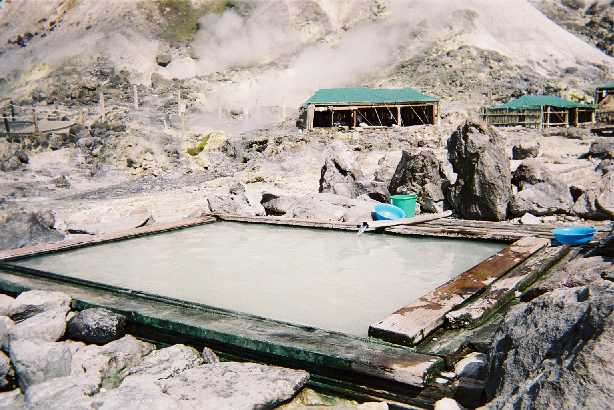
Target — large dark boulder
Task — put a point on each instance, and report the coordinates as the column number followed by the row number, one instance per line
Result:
column 421, row 174
column 540, row 192
column 96, row 325
column 555, row 351
column 483, row 187
column 20, row 229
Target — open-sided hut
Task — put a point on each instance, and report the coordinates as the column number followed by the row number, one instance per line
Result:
column 375, row 107
column 604, row 104
column 539, row 111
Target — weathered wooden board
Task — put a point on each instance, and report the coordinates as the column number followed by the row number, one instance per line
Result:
column 276, row 220
column 411, row 324
column 332, row 354
column 503, row 289
column 102, row 238
column 371, row 225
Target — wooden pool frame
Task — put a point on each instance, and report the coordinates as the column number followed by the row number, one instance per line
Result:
column 398, row 362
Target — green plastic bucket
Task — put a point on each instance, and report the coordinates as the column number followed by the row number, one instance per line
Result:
column 406, row 203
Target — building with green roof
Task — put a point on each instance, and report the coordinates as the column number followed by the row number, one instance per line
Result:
column 375, row 107
column 539, row 111
column 604, row 104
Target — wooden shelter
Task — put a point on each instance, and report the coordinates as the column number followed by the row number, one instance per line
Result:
column 369, row 107
column 604, row 105
column 539, row 111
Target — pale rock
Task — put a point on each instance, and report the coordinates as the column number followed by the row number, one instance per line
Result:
column 166, row 362
column 232, row 385
column 447, row 404
column 70, row 392
column 5, row 326
column 49, row 325
column 32, row 302
column 209, row 356
column 38, row 361
column 530, row 219
column 12, row 400
column 6, row 304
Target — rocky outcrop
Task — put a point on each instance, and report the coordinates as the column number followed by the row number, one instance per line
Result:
column 524, row 151
column 6, row 371
column 539, row 191
column 601, row 149
column 597, row 203
column 106, row 363
column 209, row 356
column 483, row 187
column 235, row 202
column 13, row 159
column 12, row 400
column 571, row 329
column 235, row 385
column 33, row 302
column 5, row 326
column 48, row 325
column 37, row 361
column 322, row 207
column 166, row 363
column 341, row 175
column 20, row 229
column 96, row 325
column 421, row 174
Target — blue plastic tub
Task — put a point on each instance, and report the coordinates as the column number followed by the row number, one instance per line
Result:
column 574, row 235
column 387, row 212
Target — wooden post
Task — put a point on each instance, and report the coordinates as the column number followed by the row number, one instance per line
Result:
column 12, row 110
column 354, row 118
column 8, row 129
column 576, row 118
column 35, row 120
column 310, row 115
column 398, row 115
column 136, row 96
column 435, row 113
column 547, row 116
column 541, row 111
column 101, row 105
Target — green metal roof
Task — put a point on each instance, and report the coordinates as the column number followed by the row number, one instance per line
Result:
column 607, row 85
column 538, row 101
column 363, row 95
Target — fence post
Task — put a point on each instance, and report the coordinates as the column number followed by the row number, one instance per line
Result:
column 101, row 104
column 8, row 129
column 136, row 97
column 35, row 120
column 12, row 110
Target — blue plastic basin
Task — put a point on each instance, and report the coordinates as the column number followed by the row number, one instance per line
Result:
column 574, row 235
column 387, row 212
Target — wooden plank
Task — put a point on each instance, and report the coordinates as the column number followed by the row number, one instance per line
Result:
column 251, row 337
column 503, row 289
column 276, row 220
column 412, row 323
column 11, row 254
column 457, row 232
column 371, row 225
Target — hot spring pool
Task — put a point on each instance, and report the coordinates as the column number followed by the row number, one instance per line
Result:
column 334, row 280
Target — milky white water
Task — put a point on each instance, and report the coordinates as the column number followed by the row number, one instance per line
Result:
column 328, row 279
